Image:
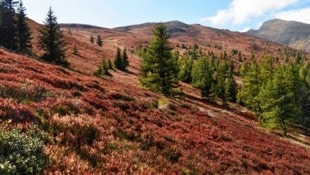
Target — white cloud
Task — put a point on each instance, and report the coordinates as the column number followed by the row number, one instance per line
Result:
column 245, row 29
column 301, row 15
column 240, row 11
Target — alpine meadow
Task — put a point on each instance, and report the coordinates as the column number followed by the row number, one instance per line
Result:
column 156, row 97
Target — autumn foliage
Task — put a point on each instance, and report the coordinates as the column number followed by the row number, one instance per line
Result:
column 94, row 125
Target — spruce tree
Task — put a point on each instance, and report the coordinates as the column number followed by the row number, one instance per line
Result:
column 99, row 41
column 8, row 24
column 159, row 69
column 23, row 30
column 125, row 62
column 118, row 61
column 52, row 42
column 92, row 40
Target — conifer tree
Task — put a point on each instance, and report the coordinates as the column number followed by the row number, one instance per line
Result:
column 231, row 89
column 159, row 68
column 103, row 69
column 92, row 39
column 248, row 93
column 52, row 42
column 243, row 70
column 23, row 30
column 110, row 65
column 99, row 41
column 125, row 62
column 278, row 107
column 185, row 69
column 118, row 61
column 8, row 24
column 221, row 75
column 202, row 76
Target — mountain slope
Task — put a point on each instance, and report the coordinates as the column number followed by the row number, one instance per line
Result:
column 291, row 33
column 183, row 38
column 106, row 125
column 113, row 126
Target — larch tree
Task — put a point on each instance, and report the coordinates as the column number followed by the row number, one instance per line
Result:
column 185, row 69
column 248, row 93
column 159, row 69
column 51, row 41
column 202, row 76
column 279, row 107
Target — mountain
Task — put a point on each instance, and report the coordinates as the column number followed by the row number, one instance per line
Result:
column 112, row 125
column 173, row 28
column 290, row 33
column 183, row 38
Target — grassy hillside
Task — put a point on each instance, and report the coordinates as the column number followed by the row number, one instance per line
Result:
column 111, row 125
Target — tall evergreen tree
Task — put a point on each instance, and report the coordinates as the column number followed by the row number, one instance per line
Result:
column 99, row 41
column 92, row 40
column 23, row 30
column 52, row 42
column 279, row 107
column 121, row 59
column 159, row 69
column 8, row 24
column 231, row 89
column 118, row 62
column 125, row 62
column 248, row 93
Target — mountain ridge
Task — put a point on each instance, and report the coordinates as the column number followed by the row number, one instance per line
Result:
column 291, row 33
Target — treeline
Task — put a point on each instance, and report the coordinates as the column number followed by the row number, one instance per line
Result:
column 278, row 93
column 161, row 68
column 15, row 33
column 214, row 78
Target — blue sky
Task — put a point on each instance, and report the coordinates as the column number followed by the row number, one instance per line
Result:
column 236, row 15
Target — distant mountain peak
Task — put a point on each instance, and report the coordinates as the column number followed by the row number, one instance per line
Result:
column 291, row 33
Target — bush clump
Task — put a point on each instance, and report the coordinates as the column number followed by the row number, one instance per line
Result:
column 21, row 153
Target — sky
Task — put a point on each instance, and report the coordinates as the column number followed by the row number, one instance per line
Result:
column 235, row 15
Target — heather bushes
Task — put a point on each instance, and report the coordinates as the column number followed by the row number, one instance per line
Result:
column 10, row 110
column 24, row 93
column 21, row 153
